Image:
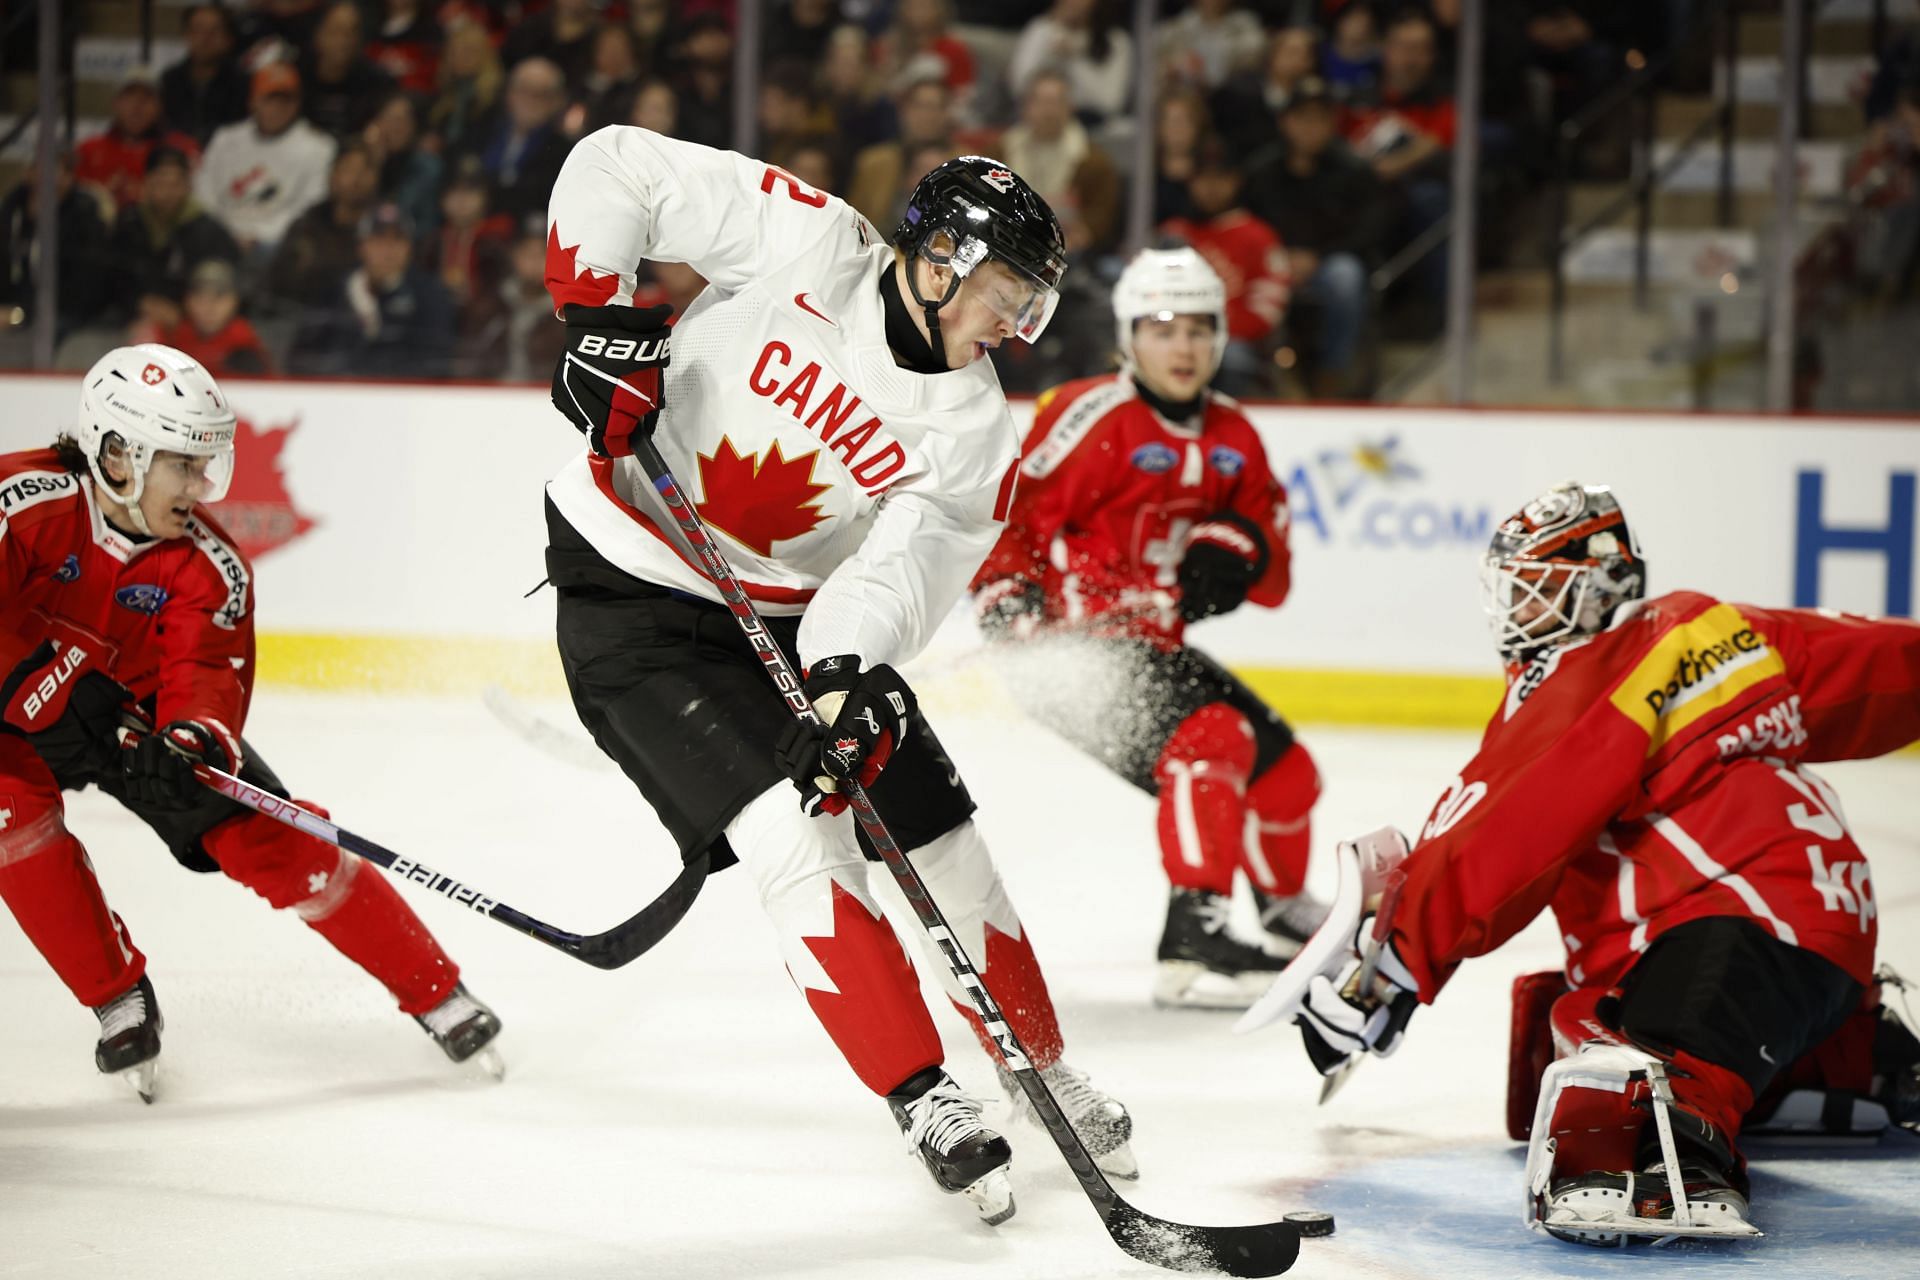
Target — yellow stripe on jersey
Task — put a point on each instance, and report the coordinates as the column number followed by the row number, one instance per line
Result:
column 1696, row 668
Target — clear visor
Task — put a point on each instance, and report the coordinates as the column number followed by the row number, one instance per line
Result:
column 203, row 477
column 1022, row 303
column 1530, row 604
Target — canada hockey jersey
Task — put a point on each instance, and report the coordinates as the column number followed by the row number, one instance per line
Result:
column 1109, row 491
column 168, row 619
column 840, row 486
column 1654, row 774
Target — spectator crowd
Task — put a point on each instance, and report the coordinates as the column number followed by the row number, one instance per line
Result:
column 358, row 187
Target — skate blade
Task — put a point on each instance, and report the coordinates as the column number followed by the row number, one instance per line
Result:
column 1185, row 984
column 1603, row 1222
column 992, row 1196
column 486, row 1062
column 1119, row 1163
column 144, row 1078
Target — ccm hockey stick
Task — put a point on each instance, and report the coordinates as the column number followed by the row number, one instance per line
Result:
column 617, row 946
column 1264, row 1249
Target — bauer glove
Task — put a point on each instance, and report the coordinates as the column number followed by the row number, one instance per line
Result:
column 158, row 768
column 1339, row 1020
column 1226, row 554
column 609, row 381
column 865, row 716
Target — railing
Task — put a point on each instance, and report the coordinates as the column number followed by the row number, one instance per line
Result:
column 1639, row 92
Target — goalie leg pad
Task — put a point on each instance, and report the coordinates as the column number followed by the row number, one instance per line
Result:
column 1530, row 1046
column 1202, row 776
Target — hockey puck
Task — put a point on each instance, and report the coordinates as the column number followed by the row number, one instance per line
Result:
column 1311, row 1223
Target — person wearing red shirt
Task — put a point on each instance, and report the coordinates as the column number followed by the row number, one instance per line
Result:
column 117, row 159
column 212, row 331
column 127, row 607
column 1145, row 502
column 1646, row 780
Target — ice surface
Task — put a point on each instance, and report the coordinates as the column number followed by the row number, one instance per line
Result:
column 685, row 1117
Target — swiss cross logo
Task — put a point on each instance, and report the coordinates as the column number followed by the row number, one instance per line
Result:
column 153, row 375
column 1000, row 180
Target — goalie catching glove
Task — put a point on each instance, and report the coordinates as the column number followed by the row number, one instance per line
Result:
column 863, row 720
column 609, row 381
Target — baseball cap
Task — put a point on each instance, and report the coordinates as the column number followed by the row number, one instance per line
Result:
column 275, row 77
column 386, row 219
column 139, row 76
column 212, row 274
column 1310, row 89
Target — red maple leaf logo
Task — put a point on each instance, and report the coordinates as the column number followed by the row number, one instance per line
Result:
column 258, row 511
column 566, row 283
column 758, row 503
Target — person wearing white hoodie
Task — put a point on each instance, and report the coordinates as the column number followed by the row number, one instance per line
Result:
column 261, row 173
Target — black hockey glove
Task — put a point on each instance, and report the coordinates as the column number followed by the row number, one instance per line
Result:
column 68, row 713
column 609, row 381
column 158, row 768
column 1009, row 609
column 865, row 714
column 1226, row 554
column 1339, row 1021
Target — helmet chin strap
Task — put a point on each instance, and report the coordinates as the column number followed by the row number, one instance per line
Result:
column 931, row 309
column 131, row 503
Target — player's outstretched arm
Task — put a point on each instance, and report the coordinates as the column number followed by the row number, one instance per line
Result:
column 1858, row 679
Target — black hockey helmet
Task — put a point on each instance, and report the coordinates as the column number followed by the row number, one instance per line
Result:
column 974, row 209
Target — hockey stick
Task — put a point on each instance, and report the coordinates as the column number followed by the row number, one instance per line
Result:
column 617, row 946
column 1264, row 1249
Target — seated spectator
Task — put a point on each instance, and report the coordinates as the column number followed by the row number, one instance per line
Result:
column 921, row 43
column 343, row 86
column 116, row 160
column 1350, row 60
column 607, row 93
column 1248, row 257
column 1212, row 41
column 206, row 90
column 1580, row 44
column 1248, row 106
column 468, row 85
column 703, row 77
column 798, row 29
column 1087, row 40
column 655, row 106
column 862, row 114
column 323, row 244
column 1405, row 129
column 509, row 332
column 468, row 250
column 158, row 241
column 1052, row 151
column 85, row 264
column 812, row 161
column 1330, row 212
column 211, row 328
column 563, row 35
column 409, row 173
column 651, row 23
column 789, row 112
column 1180, row 126
column 406, row 44
column 390, row 319
column 522, row 147
column 261, row 174
column 925, row 109
column 1883, row 184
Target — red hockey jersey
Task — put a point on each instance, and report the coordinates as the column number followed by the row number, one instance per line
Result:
column 1248, row 257
column 170, row 619
column 1108, row 493
column 1653, row 774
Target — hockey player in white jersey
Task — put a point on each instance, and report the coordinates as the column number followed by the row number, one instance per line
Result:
column 831, row 407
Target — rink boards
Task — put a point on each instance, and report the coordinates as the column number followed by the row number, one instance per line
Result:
column 397, row 526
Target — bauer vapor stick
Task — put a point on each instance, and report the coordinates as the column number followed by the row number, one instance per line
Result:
column 608, row 950
column 1263, row 1249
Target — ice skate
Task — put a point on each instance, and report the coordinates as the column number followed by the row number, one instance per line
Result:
column 129, row 1045
column 1614, row 1209
column 942, row 1126
column 1288, row 922
column 465, row 1030
column 1896, row 1055
column 1101, row 1123
column 1202, row 966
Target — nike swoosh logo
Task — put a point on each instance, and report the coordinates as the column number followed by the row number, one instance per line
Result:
column 800, row 301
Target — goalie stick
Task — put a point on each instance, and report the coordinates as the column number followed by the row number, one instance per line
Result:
column 1262, row 1249
column 617, row 946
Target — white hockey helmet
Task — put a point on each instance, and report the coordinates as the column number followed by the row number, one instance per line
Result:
column 145, row 399
column 1162, row 283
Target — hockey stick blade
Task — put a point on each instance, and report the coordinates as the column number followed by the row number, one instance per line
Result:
column 620, row 945
column 1265, row 1249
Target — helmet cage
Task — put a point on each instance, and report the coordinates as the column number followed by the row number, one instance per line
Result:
column 1559, row 570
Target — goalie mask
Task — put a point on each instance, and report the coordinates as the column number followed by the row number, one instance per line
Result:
column 140, row 401
column 975, row 209
column 1559, row 568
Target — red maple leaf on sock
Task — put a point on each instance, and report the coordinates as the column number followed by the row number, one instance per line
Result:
column 758, row 503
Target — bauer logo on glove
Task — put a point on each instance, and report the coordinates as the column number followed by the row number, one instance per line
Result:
column 609, row 381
